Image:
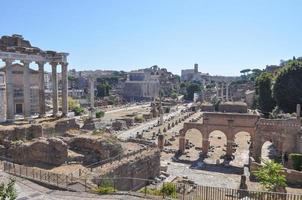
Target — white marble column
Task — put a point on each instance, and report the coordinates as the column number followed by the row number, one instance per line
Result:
column 227, row 91
column 217, row 90
column 221, row 91
column 64, row 89
column 54, row 88
column 92, row 113
column 41, row 89
column 10, row 112
column 26, row 89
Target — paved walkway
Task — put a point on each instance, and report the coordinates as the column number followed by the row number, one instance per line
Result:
column 28, row 190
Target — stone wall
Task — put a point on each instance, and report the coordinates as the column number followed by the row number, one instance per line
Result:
column 51, row 151
column 282, row 133
column 143, row 167
column 30, row 131
column 95, row 149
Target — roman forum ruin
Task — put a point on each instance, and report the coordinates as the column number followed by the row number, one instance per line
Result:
column 15, row 48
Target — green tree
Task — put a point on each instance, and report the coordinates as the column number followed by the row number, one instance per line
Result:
column 264, row 97
column 287, row 87
column 8, row 191
column 103, row 89
column 271, row 176
column 191, row 89
column 244, row 72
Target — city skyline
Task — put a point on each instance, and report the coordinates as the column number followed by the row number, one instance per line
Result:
column 221, row 37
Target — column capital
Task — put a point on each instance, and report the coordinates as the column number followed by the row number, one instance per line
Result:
column 64, row 64
column 40, row 63
column 53, row 64
column 8, row 60
column 25, row 62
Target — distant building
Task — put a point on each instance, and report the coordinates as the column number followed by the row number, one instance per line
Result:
column 204, row 78
column 146, row 84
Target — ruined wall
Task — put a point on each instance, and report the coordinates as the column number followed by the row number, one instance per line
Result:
column 144, row 167
column 95, row 149
column 52, row 151
column 282, row 133
column 30, row 131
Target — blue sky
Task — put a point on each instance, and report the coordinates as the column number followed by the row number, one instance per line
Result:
column 223, row 37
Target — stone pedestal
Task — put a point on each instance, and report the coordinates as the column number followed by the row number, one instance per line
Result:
column 92, row 124
column 161, row 141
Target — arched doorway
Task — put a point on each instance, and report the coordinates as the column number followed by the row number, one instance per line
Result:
column 217, row 147
column 241, row 149
column 193, row 144
column 268, row 151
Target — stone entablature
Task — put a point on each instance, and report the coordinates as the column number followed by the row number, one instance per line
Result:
column 283, row 133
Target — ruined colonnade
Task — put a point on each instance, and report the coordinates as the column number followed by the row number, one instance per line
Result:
column 26, row 60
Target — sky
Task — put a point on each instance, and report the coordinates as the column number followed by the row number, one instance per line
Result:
column 223, row 37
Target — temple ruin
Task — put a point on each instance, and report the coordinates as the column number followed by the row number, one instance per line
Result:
column 15, row 48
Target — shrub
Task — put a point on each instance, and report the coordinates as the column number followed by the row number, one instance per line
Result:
column 105, row 187
column 139, row 119
column 168, row 189
column 78, row 111
column 8, row 191
column 271, row 176
column 297, row 161
column 100, row 114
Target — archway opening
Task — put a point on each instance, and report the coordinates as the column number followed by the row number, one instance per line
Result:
column 193, row 144
column 268, row 151
column 241, row 147
column 217, row 147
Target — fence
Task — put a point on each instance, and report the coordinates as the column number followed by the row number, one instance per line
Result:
column 62, row 181
column 148, row 187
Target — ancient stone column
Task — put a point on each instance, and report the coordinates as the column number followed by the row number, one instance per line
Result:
column 217, row 90
column 41, row 89
column 298, row 112
column 26, row 89
column 54, row 88
column 64, row 89
column 229, row 149
column 10, row 112
column 3, row 108
column 91, row 83
column 227, row 92
column 221, row 90
column 182, row 144
column 160, row 141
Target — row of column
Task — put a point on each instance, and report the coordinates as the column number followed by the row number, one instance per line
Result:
column 222, row 86
column 26, row 89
